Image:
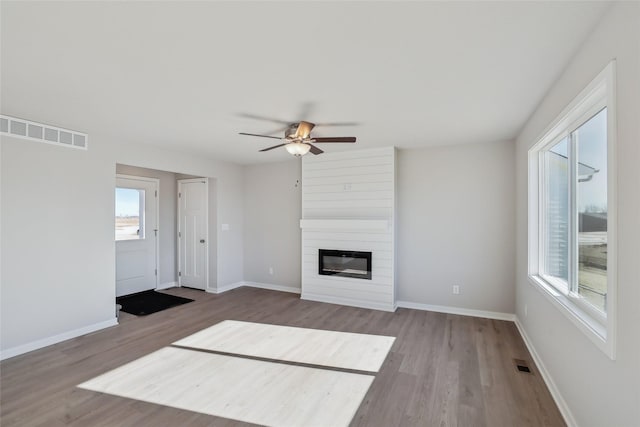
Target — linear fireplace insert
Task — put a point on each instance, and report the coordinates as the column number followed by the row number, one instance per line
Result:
column 332, row 262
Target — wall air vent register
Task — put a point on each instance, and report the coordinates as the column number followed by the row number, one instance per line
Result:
column 40, row 132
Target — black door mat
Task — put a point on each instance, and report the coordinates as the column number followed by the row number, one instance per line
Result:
column 148, row 302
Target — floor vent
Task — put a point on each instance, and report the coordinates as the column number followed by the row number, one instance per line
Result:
column 40, row 132
column 522, row 366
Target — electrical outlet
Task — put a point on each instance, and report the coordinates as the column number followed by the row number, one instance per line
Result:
column 271, row 271
column 456, row 289
column 526, row 311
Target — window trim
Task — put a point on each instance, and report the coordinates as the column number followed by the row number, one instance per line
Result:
column 599, row 328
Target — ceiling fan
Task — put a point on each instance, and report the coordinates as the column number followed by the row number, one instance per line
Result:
column 298, row 139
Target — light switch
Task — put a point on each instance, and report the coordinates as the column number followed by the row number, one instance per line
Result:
column 225, row 227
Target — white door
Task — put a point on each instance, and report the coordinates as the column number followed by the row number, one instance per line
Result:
column 192, row 232
column 136, row 234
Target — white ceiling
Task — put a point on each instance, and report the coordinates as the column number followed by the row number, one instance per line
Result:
column 181, row 75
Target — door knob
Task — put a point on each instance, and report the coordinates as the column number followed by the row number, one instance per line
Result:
column 201, row 240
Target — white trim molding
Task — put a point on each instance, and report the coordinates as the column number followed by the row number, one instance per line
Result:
column 268, row 286
column 457, row 310
column 44, row 342
column 225, row 288
column 272, row 287
column 372, row 305
column 546, row 377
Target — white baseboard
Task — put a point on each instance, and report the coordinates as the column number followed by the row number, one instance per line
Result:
column 456, row 310
column 167, row 285
column 44, row 342
column 273, row 287
column 551, row 385
column 268, row 286
column 344, row 301
column 225, row 288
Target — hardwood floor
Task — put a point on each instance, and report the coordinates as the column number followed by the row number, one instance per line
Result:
column 443, row 370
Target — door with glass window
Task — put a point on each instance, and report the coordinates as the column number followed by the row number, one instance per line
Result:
column 136, row 234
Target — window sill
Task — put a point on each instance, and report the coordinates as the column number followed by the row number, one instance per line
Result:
column 594, row 330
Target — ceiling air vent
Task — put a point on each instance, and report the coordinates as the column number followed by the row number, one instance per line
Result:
column 33, row 131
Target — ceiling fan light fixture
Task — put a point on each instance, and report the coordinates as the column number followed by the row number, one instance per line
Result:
column 298, row 140
column 297, row 148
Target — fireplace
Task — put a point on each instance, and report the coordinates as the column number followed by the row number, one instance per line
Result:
column 333, row 262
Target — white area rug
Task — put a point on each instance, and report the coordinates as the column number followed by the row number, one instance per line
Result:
column 310, row 346
column 267, row 393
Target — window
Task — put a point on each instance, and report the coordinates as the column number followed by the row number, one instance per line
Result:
column 571, row 204
column 129, row 214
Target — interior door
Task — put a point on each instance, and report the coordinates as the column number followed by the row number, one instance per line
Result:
column 136, row 233
column 192, row 232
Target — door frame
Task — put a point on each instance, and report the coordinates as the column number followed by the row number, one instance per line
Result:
column 205, row 181
column 158, row 231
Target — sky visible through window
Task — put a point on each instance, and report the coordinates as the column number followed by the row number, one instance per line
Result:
column 127, row 202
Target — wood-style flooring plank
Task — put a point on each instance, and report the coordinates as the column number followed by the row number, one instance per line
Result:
column 442, row 370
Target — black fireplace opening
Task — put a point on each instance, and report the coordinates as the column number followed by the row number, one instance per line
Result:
column 332, row 262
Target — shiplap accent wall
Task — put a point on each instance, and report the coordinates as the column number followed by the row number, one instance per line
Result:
column 348, row 203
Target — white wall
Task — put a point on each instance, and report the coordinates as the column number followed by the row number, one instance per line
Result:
column 272, row 212
column 167, row 218
column 57, row 241
column 597, row 391
column 456, row 209
column 57, row 246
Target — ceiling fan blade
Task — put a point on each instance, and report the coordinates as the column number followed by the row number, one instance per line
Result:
column 275, row 146
column 279, row 130
column 335, row 124
column 314, row 150
column 304, row 129
column 335, row 139
column 261, row 136
column 263, row 118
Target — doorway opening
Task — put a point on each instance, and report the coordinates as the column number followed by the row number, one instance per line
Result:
column 179, row 239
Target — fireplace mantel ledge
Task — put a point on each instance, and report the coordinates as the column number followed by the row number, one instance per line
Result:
column 346, row 224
